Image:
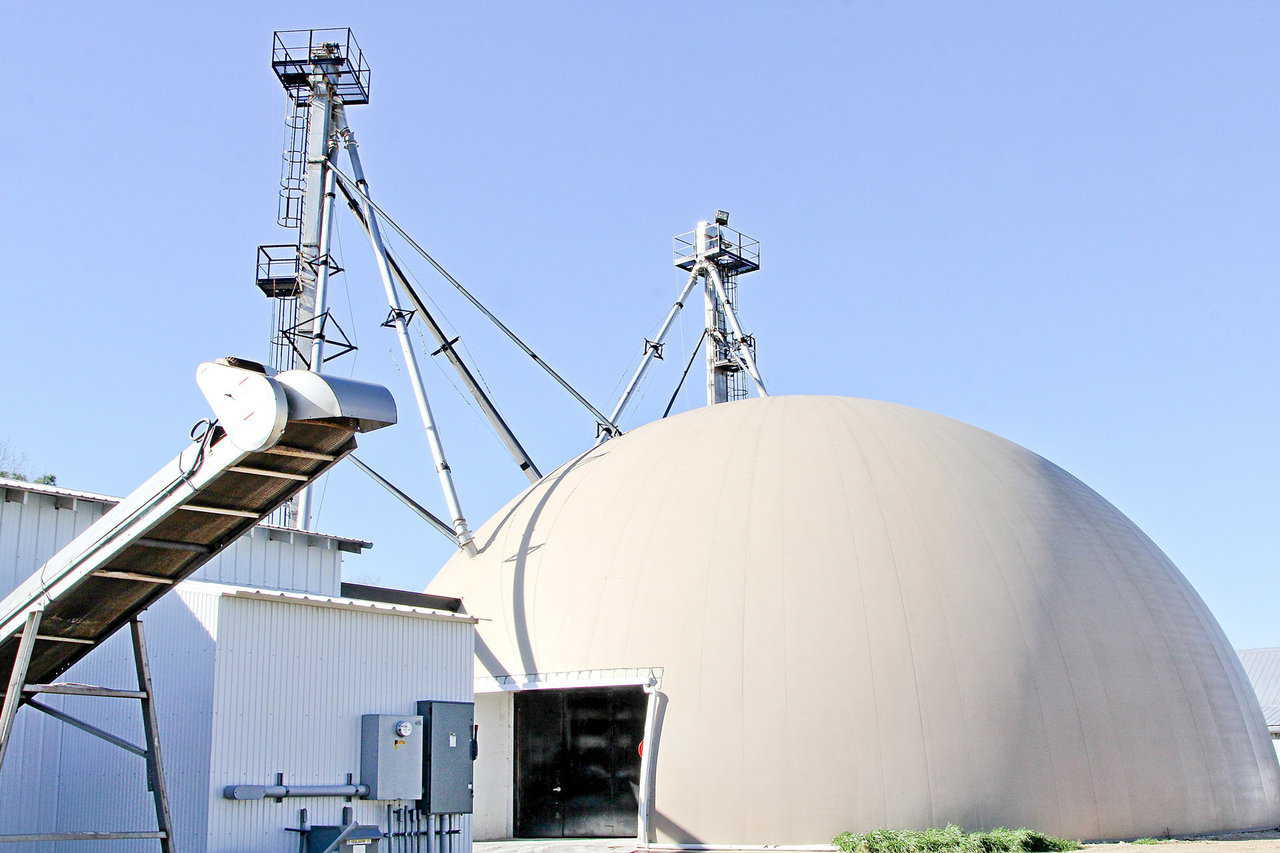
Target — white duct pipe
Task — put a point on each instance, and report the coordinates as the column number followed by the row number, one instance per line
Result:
column 397, row 320
column 711, row 350
column 317, row 215
column 645, row 798
column 319, row 130
column 322, row 265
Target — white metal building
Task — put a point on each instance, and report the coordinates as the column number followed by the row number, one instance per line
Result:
column 261, row 666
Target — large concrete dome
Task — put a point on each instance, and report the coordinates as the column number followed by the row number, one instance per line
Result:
column 868, row 615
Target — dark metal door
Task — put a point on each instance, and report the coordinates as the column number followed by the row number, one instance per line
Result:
column 577, row 764
column 539, row 725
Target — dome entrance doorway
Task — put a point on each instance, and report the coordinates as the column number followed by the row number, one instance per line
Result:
column 577, row 762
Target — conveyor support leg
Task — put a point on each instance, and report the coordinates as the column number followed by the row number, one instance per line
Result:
column 155, row 766
column 17, row 680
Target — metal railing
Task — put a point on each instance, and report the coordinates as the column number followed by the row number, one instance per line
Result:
column 277, row 269
column 722, row 242
column 296, row 54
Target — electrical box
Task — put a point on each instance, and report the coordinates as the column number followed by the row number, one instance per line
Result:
column 391, row 754
column 447, row 781
column 363, row 839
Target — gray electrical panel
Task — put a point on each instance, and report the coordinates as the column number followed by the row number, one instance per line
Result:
column 447, row 780
column 391, row 754
column 362, row 839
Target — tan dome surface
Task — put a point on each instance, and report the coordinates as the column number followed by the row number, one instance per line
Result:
column 869, row 615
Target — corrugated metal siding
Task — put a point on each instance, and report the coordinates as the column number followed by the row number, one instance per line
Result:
column 293, row 680
column 58, row 778
column 269, row 559
column 32, row 532
column 290, row 683
column 1263, row 669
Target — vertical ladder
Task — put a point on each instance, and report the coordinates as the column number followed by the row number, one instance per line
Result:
column 735, row 381
column 293, row 166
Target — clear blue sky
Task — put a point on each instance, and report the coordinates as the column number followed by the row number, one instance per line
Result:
column 1055, row 221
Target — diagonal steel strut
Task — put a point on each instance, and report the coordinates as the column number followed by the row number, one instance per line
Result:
column 354, row 187
column 742, row 351
column 487, row 406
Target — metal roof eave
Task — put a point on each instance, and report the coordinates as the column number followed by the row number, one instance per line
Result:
column 344, row 543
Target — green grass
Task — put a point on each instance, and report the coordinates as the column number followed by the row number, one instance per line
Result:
column 953, row 839
column 1150, row 840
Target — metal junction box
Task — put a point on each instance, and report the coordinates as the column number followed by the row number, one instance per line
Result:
column 391, row 756
column 363, row 839
column 447, row 780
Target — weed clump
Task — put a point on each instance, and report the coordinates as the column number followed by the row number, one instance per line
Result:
column 953, row 839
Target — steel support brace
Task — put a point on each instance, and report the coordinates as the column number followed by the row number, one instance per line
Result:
column 446, row 348
column 423, row 513
column 743, row 351
column 18, row 679
column 461, row 532
column 653, row 349
column 87, row 727
column 368, row 203
column 151, row 727
column 685, row 375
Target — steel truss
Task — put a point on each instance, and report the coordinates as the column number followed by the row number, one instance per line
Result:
column 716, row 255
column 323, row 72
column 308, row 337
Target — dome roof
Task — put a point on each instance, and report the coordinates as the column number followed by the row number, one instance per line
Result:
column 869, row 615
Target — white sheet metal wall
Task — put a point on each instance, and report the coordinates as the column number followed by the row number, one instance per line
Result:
column 293, row 681
column 33, row 531
column 288, row 682
column 495, row 780
column 276, row 559
column 58, row 778
column 245, row 687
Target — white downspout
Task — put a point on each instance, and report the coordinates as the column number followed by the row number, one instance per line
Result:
column 647, row 758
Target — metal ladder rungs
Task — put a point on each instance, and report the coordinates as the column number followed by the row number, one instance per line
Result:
column 84, row 690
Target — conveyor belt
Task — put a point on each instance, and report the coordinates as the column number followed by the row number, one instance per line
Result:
column 193, row 508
